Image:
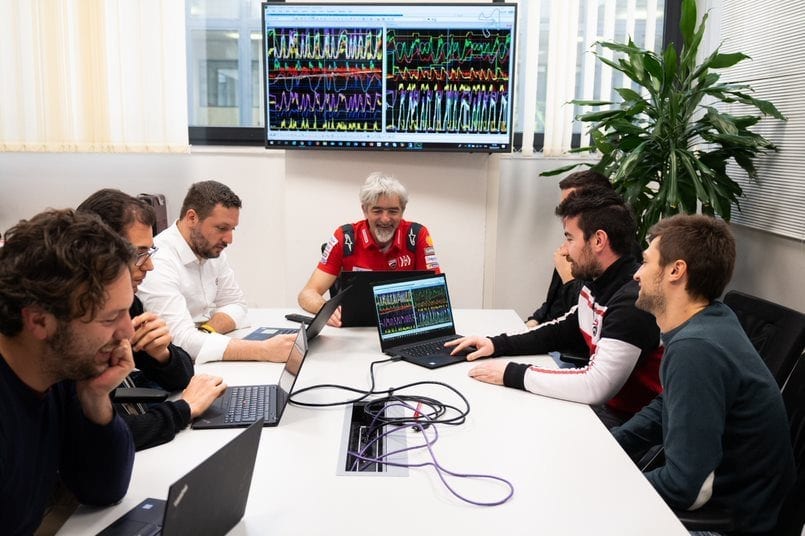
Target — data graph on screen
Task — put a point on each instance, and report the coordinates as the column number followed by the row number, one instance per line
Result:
column 450, row 82
column 413, row 310
column 325, row 79
column 389, row 76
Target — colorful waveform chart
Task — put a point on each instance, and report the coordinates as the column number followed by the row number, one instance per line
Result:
column 395, row 312
column 431, row 306
column 324, row 79
column 448, row 82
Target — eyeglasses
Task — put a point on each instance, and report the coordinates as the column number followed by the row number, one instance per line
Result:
column 143, row 256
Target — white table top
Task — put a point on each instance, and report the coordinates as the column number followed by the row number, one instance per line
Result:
column 570, row 477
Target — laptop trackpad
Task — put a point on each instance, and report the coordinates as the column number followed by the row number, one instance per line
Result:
column 435, row 360
column 130, row 527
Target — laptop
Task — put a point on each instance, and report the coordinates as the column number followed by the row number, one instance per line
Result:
column 357, row 309
column 313, row 328
column 414, row 320
column 241, row 405
column 210, row 499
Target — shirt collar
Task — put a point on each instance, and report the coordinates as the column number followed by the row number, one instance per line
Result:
column 186, row 255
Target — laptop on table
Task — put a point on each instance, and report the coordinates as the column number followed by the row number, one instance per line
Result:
column 210, row 499
column 315, row 326
column 414, row 320
column 357, row 308
column 241, row 405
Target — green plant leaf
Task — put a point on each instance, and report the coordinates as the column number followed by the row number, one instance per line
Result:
column 669, row 58
column 722, row 61
column 620, row 47
column 559, row 170
column 597, row 116
column 653, row 65
column 691, row 49
column 721, row 122
column 764, row 106
column 628, row 95
column 591, row 102
column 687, row 20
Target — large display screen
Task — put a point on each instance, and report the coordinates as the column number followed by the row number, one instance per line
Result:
column 404, row 77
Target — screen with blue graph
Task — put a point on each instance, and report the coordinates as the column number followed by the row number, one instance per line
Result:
column 399, row 77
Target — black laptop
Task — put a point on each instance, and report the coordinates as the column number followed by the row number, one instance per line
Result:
column 357, row 308
column 414, row 320
column 241, row 405
column 313, row 328
column 210, row 499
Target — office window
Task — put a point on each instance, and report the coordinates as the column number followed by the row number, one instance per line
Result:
column 554, row 65
column 561, row 48
column 224, row 65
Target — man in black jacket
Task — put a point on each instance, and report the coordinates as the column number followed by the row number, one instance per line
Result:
column 160, row 363
column 622, row 341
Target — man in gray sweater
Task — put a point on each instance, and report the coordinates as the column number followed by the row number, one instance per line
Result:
column 720, row 417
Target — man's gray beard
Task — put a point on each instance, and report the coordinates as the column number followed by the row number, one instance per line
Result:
column 383, row 236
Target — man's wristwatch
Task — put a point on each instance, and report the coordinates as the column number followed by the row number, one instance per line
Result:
column 206, row 328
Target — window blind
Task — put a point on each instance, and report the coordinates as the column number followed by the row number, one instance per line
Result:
column 771, row 34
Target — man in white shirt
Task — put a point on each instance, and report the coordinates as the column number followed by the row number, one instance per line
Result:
column 193, row 287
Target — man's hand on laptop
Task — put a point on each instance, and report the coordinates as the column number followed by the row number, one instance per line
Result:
column 277, row 348
column 201, row 392
column 335, row 318
column 483, row 346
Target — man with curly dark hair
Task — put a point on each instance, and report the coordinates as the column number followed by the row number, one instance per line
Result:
column 65, row 292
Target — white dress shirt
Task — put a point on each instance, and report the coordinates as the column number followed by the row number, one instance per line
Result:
column 187, row 291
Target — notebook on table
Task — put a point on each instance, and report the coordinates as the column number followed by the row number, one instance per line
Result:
column 357, row 308
column 242, row 405
column 315, row 326
column 414, row 320
column 210, row 499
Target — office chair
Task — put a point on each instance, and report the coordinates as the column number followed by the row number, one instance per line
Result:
column 792, row 514
column 335, row 288
column 777, row 332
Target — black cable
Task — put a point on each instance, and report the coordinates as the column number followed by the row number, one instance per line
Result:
column 436, row 409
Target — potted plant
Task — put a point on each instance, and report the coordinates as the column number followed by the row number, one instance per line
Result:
column 667, row 145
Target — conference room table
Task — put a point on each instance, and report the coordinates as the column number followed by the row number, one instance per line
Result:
column 569, row 475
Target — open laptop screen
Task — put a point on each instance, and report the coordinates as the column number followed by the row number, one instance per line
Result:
column 291, row 369
column 412, row 308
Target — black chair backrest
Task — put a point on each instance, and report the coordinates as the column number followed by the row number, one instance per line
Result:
column 335, row 288
column 777, row 332
column 792, row 514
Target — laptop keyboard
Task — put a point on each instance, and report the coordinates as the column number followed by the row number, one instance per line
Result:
column 432, row 347
column 244, row 404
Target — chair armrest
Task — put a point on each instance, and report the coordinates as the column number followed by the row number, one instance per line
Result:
column 707, row 518
column 134, row 395
column 577, row 361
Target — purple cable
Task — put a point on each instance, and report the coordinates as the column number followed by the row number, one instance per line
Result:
column 428, row 443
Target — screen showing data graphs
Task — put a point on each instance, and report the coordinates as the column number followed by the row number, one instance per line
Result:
column 406, row 77
column 412, row 308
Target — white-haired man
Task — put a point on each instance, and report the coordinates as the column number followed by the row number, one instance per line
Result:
column 382, row 241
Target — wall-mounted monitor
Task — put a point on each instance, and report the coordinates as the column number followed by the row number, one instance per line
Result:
column 392, row 76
